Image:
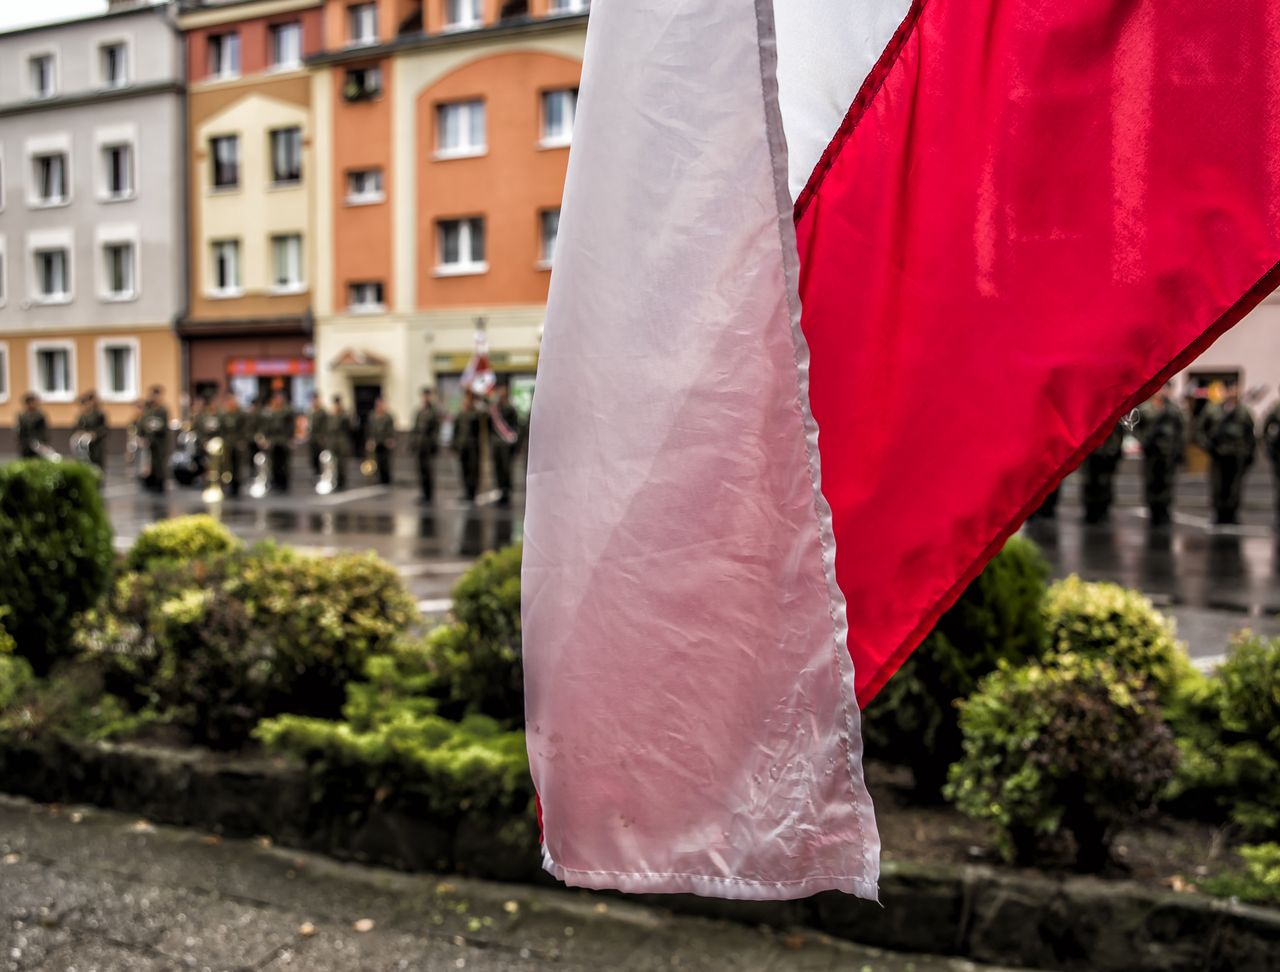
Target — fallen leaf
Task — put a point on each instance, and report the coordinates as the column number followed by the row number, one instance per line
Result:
column 444, row 887
column 602, row 908
column 363, row 925
column 263, row 842
column 211, row 840
column 12, row 858
column 143, row 827
column 306, row 929
column 77, row 817
column 511, row 907
column 793, row 941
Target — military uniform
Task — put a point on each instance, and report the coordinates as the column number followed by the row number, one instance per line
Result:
column 382, row 433
column 1228, row 436
column 1163, row 434
column 277, row 427
column 154, row 428
column 317, row 419
column 93, row 421
column 1271, row 442
column 466, row 443
column 337, row 440
column 236, row 448
column 33, row 431
column 1098, row 487
column 426, row 442
column 504, row 435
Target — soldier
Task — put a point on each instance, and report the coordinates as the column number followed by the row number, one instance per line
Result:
column 33, row 428
column 1163, row 433
column 466, row 443
column 236, row 442
column 92, row 422
column 426, row 441
column 317, row 418
column 504, row 434
column 154, row 429
column 1098, row 488
column 337, row 439
column 255, row 426
column 382, row 440
column 1271, row 442
column 206, row 424
column 1227, row 433
column 278, row 426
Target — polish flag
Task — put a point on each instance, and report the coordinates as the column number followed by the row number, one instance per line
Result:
column 842, row 291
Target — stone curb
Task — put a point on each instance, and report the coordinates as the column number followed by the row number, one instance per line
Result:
column 1075, row 924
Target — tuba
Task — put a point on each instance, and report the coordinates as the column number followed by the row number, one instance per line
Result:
column 216, row 472
column 328, row 481
column 261, row 484
column 81, row 442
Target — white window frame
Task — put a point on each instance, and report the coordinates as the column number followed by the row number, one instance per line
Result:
column 562, row 139
column 4, row 271
column 133, row 392
column 125, row 44
column 213, row 160
column 6, row 373
column 363, row 40
column 271, row 157
column 545, row 257
column 119, row 296
column 299, row 284
column 365, row 198
column 462, row 268
column 55, row 75
column 224, row 293
column 33, row 353
column 467, row 150
column 127, row 235
column 4, row 177
column 222, row 74
column 39, row 241
column 272, row 32
column 105, row 192
column 473, row 11
column 44, row 145
column 366, row 308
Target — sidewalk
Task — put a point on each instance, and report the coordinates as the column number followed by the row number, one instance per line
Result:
column 92, row 891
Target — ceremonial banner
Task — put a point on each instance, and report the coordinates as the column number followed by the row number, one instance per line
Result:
column 842, row 291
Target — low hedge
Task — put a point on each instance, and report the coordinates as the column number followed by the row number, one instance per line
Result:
column 56, row 555
column 180, row 540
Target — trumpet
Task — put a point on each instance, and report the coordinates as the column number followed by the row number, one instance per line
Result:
column 216, row 474
column 328, row 481
column 261, row 484
column 81, row 442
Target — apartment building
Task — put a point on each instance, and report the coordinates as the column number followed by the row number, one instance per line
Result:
column 442, row 146
column 251, row 143
column 91, row 211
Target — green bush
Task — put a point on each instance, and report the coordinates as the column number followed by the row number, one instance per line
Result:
column 217, row 644
column 1102, row 620
column 1074, row 746
column 914, row 720
column 1258, row 882
column 16, row 680
column 182, row 539
column 56, row 555
column 1228, row 730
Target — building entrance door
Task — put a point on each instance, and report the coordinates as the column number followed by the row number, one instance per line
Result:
column 364, row 395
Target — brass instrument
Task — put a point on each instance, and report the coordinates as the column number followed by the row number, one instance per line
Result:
column 46, row 452
column 328, row 481
column 369, row 466
column 261, row 484
column 139, row 453
column 81, row 442
column 216, row 473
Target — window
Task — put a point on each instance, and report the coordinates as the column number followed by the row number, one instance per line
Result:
column 460, row 129
column 54, row 371
column 118, row 369
column 549, row 228
column 364, row 186
column 362, row 23
column 362, row 84
column 226, row 268
column 224, row 56
column 119, row 261
column 117, row 161
column 461, row 14
column 286, row 46
column 50, row 179
column 43, row 82
column 113, row 64
column 286, row 156
column 569, row 6
column 4, row 372
column 224, row 151
column 461, row 246
column 365, row 296
column 558, row 109
column 4, row 280
column 52, row 280
column 286, row 262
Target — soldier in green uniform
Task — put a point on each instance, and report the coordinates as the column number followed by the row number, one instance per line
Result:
column 1098, row 487
column 278, row 424
column 337, row 440
column 317, row 418
column 426, row 441
column 155, row 430
column 504, row 435
column 1227, row 433
column 233, row 424
column 92, row 423
column 382, row 440
column 1162, row 430
column 33, row 428
column 466, row 443
column 1271, row 442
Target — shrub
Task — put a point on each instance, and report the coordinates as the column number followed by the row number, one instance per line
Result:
column 1074, row 746
column 56, row 555
column 1258, row 882
column 914, row 721
column 182, row 539
column 1102, row 620
column 16, row 680
column 1229, row 733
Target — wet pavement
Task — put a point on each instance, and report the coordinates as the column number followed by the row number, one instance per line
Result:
column 92, row 891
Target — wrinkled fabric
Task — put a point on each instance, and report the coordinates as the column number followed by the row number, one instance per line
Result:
column 690, row 714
